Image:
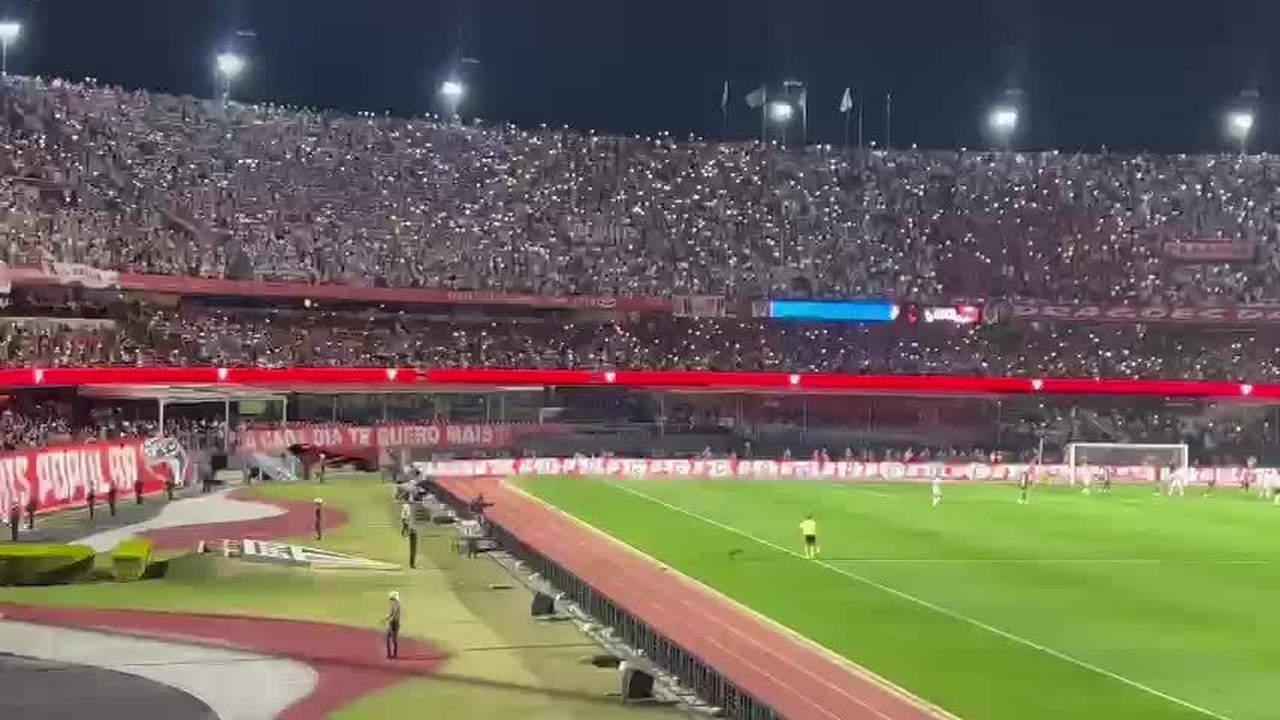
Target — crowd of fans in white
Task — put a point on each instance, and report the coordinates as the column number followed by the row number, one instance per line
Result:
column 155, row 183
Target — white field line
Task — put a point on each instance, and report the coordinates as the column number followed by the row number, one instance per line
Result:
column 932, row 606
column 1047, row 561
column 876, row 680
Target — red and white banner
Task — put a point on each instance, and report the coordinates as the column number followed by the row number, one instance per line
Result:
column 1032, row 311
column 60, row 477
column 810, row 470
column 84, row 276
column 1210, row 251
column 359, row 439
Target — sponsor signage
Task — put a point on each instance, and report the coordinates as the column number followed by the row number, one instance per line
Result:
column 356, row 439
column 815, row 470
column 61, row 476
column 1217, row 250
column 1225, row 315
column 960, row 314
column 296, row 555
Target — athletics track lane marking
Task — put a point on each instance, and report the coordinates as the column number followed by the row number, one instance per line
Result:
column 927, row 604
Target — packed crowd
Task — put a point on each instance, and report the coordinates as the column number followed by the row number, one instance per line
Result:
column 164, row 184
column 29, row 422
column 280, row 338
column 329, row 339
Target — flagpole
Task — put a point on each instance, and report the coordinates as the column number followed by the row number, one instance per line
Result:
column 859, row 101
column 724, row 112
column 847, row 117
column 888, row 120
column 804, row 116
column 764, row 106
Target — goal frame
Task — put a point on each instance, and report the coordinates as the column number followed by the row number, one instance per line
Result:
column 1183, row 457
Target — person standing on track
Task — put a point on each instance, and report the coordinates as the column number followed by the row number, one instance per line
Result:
column 393, row 625
column 936, row 483
column 809, row 537
column 1024, row 485
column 319, row 518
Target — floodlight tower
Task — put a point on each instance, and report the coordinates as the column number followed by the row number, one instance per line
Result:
column 452, row 91
column 1002, row 121
column 228, row 67
column 9, row 32
column 1240, row 124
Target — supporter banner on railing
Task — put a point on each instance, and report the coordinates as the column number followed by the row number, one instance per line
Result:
column 60, row 477
column 1226, row 315
column 66, row 274
column 355, row 439
column 1211, row 251
column 810, row 470
column 186, row 286
column 699, row 306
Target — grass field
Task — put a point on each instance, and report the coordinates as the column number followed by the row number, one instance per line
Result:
column 1128, row 605
column 502, row 664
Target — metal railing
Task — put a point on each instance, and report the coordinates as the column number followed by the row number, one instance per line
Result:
column 702, row 678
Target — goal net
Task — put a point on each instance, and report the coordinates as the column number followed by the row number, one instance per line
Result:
column 1087, row 461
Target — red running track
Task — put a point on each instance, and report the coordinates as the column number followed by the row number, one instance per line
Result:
column 297, row 521
column 799, row 680
column 349, row 662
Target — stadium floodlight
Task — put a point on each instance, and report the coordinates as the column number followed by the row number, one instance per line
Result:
column 452, row 91
column 9, row 32
column 228, row 66
column 1003, row 122
column 1240, row 127
column 780, row 112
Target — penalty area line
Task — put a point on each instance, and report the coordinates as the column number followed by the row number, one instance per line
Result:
column 1084, row 664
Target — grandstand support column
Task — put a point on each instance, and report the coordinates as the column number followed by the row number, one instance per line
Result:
column 662, row 415
column 226, row 422
column 999, row 422
column 161, row 415
column 284, row 411
column 488, row 403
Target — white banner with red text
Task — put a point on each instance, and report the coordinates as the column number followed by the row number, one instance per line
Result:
column 1212, row 250
column 358, row 439
column 1034, row 311
column 61, row 476
column 833, row 470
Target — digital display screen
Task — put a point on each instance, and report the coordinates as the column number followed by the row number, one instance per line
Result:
column 867, row 311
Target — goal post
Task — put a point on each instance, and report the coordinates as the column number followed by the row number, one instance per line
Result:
column 1083, row 458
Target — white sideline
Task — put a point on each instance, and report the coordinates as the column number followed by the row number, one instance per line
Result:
column 926, row 604
column 1048, row 561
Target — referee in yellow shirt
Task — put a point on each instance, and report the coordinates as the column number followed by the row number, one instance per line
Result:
column 809, row 535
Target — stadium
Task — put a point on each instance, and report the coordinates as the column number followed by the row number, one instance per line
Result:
column 310, row 413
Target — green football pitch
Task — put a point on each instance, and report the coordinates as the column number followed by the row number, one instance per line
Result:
column 1126, row 605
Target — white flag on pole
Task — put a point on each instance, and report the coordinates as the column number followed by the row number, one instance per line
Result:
column 756, row 97
column 846, row 102
column 724, row 96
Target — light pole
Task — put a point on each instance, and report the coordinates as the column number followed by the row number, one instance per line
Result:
column 9, row 32
column 452, row 92
column 228, row 66
column 1002, row 121
column 1240, row 127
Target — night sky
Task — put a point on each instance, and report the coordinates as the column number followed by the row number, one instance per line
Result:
column 1127, row 74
